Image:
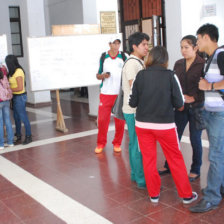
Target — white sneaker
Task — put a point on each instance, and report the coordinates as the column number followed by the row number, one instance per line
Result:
column 9, row 145
column 154, row 199
column 194, row 197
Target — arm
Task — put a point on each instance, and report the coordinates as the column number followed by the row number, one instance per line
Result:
column 205, row 85
column 133, row 97
column 20, row 84
column 102, row 76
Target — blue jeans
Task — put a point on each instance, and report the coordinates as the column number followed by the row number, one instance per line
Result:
column 19, row 113
column 215, row 179
column 181, row 120
column 135, row 156
column 5, row 120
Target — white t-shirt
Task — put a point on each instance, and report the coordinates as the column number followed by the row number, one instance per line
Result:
column 111, row 85
column 130, row 70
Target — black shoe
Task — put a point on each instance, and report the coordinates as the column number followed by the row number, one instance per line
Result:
column 202, row 206
column 162, row 172
column 192, row 179
column 18, row 139
column 27, row 140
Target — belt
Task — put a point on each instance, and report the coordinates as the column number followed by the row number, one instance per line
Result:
column 19, row 94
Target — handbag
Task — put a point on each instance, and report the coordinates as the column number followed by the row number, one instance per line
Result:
column 198, row 118
column 5, row 90
column 117, row 108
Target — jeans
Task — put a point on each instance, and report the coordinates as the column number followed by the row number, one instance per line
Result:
column 215, row 179
column 5, row 120
column 19, row 113
column 135, row 156
column 181, row 120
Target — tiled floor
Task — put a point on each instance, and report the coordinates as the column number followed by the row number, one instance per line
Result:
column 59, row 179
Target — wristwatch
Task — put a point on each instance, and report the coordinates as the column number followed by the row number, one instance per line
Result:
column 213, row 86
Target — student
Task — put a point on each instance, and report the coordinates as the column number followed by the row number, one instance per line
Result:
column 189, row 70
column 138, row 43
column 155, row 122
column 207, row 42
column 5, row 97
column 17, row 83
column 111, row 63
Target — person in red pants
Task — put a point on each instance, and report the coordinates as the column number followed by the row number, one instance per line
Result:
column 111, row 64
column 155, row 92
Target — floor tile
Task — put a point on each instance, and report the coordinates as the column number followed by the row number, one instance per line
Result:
column 100, row 182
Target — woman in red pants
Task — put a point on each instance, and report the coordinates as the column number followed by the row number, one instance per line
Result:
column 156, row 92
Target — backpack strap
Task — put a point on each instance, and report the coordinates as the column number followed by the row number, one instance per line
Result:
column 130, row 59
column 210, row 59
column 123, row 56
column 134, row 59
column 102, row 58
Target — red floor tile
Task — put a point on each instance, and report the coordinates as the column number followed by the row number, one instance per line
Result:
column 100, row 182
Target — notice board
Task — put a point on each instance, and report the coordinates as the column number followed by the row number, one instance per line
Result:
column 59, row 62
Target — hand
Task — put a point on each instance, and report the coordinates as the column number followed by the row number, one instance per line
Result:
column 106, row 75
column 181, row 108
column 204, row 84
column 189, row 99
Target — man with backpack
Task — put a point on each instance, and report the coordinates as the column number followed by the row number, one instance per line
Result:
column 111, row 64
column 213, row 85
column 139, row 47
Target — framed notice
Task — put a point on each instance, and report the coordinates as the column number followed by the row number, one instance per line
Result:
column 108, row 22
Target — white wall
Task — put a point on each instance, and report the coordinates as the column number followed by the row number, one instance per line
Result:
column 89, row 12
column 193, row 20
column 5, row 25
column 184, row 17
column 107, row 5
column 61, row 12
column 173, row 29
column 32, row 23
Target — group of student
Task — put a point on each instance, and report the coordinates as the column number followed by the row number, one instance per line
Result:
column 13, row 94
column 158, row 104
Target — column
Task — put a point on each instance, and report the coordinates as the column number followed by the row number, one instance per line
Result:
column 35, row 23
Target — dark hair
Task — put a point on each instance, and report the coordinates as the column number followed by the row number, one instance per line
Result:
column 192, row 40
column 158, row 56
column 12, row 64
column 209, row 29
column 1, row 74
column 136, row 39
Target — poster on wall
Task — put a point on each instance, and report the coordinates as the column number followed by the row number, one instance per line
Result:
column 3, row 47
column 108, row 22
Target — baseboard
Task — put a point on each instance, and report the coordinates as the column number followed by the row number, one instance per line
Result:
column 38, row 105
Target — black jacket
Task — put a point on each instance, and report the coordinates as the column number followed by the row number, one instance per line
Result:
column 156, row 92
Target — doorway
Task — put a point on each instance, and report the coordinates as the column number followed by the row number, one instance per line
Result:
column 146, row 16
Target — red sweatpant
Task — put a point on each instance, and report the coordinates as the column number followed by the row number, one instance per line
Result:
column 170, row 145
column 105, row 107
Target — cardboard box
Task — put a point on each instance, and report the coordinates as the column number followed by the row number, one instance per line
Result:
column 60, row 30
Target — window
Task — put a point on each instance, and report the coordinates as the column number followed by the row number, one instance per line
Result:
column 16, row 33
